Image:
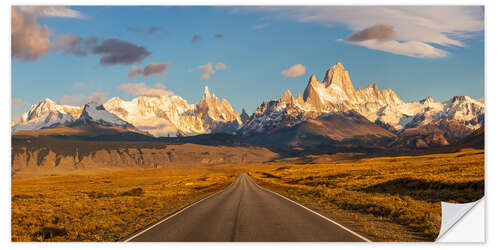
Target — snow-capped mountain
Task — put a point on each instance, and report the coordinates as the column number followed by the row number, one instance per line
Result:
column 172, row 115
column 384, row 107
column 159, row 116
column 93, row 113
column 46, row 114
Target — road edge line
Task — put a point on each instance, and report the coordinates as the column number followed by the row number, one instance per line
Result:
column 314, row 212
column 176, row 213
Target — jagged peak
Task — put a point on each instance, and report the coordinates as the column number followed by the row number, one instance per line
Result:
column 287, row 96
column 373, row 86
column 338, row 67
column 338, row 76
column 427, row 100
column 313, row 78
column 47, row 100
column 299, row 97
column 115, row 99
column 44, row 102
column 206, row 94
column 460, row 98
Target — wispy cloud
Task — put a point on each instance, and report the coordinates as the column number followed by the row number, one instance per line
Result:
column 18, row 102
column 150, row 30
column 98, row 97
column 218, row 36
column 220, row 66
column 50, row 11
column 260, row 26
column 150, row 70
column 210, row 69
column 416, row 29
column 81, row 85
column 381, row 32
column 137, row 89
column 70, row 44
column 294, row 71
column 196, row 38
column 155, row 68
column 133, row 72
column 17, row 108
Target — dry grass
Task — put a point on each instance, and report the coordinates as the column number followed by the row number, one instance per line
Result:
column 386, row 198
column 106, row 206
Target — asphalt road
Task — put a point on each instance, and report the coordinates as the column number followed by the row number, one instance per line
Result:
column 246, row 212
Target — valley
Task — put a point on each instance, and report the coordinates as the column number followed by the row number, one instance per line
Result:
column 386, row 197
column 363, row 157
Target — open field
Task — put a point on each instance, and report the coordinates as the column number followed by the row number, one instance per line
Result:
column 106, row 206
column 386, row 198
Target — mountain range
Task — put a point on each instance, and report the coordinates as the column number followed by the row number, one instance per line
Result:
column 330, row 112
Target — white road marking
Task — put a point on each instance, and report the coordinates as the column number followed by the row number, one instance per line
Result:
column 314, row 212
column 178, row 212
column 308, row 209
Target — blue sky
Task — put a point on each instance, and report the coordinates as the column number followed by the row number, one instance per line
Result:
column 440, row 59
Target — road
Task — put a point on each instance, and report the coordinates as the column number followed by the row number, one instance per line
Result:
column 246, row 212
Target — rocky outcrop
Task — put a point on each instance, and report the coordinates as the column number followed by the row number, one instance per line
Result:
column 45, row 153
column 336, row 94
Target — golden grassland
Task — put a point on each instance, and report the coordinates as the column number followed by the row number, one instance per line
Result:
column 106, row 206
column 386, row 198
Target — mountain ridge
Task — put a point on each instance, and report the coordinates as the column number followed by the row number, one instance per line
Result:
column 172, row 116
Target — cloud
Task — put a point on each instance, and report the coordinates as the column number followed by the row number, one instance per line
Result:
column 196, row 38
column 382, row 32
column 413, row 26
column 218, row 36
column 220, row 66
column 115, row 51
column 137, row 89
column 70, row 44
column 98, row 97
column 260, row 26
column 50, row 11
column 155, row 68
column 150, row 69
column 207, row 68
column 411, row 48
column 133, row 72
column 294, row 71
column 159, row 85
column 18, row 102
column 75, row 99
column 154, row 29
column 151, row 30
column 205, row 76
column 81, row 85
column 30, row 41
column 80, row 99
column 17, row 107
